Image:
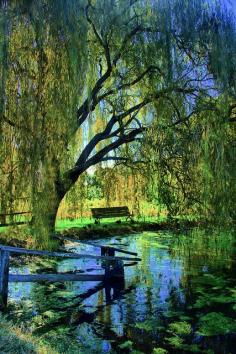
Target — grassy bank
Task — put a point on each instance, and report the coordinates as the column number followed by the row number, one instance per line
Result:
column 14, row 339
column 63, row 224
column 92, row 231
column 85, row 228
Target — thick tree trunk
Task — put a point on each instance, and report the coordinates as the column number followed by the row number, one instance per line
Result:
column 44, row 215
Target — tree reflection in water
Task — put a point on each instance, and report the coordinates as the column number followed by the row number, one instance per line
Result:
column 181, row 298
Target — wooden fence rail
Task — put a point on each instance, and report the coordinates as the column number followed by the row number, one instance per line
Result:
column 112, row 265
column 106, row 256
column 54, row 277
column 15, row 213
column 97, row 245
column 3, row 218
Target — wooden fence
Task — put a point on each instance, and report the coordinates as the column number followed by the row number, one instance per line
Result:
column 4, row 222
column 113, row 267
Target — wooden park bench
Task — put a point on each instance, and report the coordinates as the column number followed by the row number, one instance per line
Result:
column 101, row 213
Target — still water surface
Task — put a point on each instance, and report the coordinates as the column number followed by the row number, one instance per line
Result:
column 180, row 298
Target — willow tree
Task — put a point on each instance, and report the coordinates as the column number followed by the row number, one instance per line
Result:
column 84, row 80
column 193, row 158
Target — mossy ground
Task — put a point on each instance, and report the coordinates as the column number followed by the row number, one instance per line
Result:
column 14, row 339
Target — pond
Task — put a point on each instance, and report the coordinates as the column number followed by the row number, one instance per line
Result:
column 180, row 298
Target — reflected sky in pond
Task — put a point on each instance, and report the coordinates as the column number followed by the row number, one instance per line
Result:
column 161, row 289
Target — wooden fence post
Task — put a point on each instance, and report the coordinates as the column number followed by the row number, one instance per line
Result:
column 4, row 273
column 105, row 251
column 118, row 270
column 113, row 269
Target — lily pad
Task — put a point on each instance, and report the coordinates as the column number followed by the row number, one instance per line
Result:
column 180, row 328
column 159, row 351
column 215, row 323
column 126, row 345
column 147, row 325
column 175, row 341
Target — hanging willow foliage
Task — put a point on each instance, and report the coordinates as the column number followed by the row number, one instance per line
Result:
column 43, row 56
column 194, row 164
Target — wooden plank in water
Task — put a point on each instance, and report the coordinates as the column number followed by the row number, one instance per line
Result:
column 99, row 246
column 17, row 250
column 55, row 277
column 130, row 264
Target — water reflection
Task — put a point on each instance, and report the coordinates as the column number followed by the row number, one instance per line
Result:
column 181, row 278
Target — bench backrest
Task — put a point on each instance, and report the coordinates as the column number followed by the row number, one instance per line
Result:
column 110, row 212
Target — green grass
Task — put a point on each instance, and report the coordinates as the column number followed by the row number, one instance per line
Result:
column 64, row 224
column 85, row 228
column 16, row 340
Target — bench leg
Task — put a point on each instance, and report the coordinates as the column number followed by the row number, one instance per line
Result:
column 130, row 218
column 97, row 222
